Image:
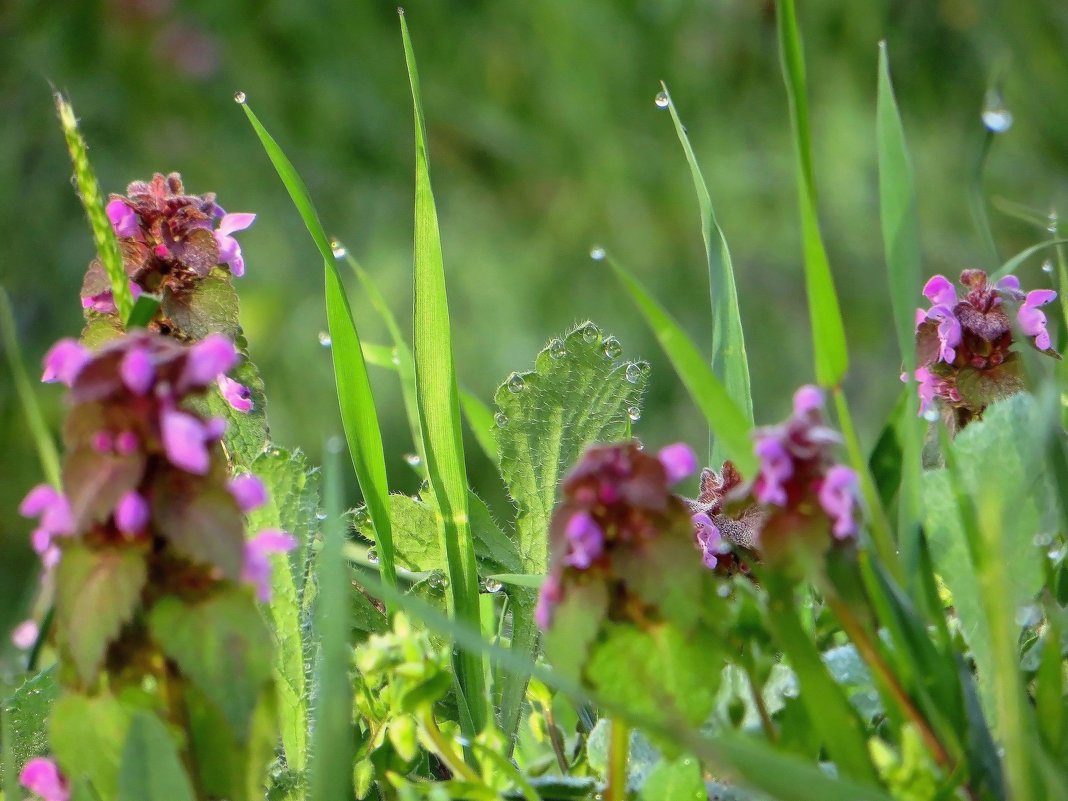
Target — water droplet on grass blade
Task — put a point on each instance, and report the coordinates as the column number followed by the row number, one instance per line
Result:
column 1042, row 539
column 239, row 97
column 324, row 339
column 634, row 372
column 339, row 250
column 413, row 459
column 996, row 117
column 634, row 413
column 662, row 100
column 438, row 580
column 516, row 383
column 1047, row 265
column 612, row 348
column 492, row 585
column 597, row 253
column 1051, row 222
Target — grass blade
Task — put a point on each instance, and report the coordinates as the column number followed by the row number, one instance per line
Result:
column 350, row 370
column 107, row 245
column 828, row 333
column 726, row 420
column 480, row 421
column 729, row 360
column 1016, row 261
column 42, row 437
column 439, row 410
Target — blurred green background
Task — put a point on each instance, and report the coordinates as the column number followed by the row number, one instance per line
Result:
column 544, row 141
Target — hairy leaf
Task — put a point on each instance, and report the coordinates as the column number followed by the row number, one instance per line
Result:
column 675, row 781
column 100, row 329
column 87, row 736
column 26, row 718
column 201, row 520
column 210, row 306
column 94, row 482
column 151, row 768
column 247, row 434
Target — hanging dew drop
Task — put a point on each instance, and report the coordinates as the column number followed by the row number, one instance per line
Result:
column 339, row 250
column 239, row 97
column 634, row 413
column 931, row 415
column 501, row 419
column 662, row 100
column 996, row 117
column 723, row 590
column 1047, row 265
column 516, row 383
column 612, row 348
column 324, row 339
column 557, row 349
column 438, row 580
column 492, row 585
column 597, row 253
column 413, row 460
column 372, row 557
column 634, row 372
column 1051, row 222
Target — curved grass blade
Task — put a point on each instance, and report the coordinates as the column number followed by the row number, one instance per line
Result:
column 107, row 245
column 726, row 420
column 354, row 395
column 828, row 333
column 439, row 412
column 42, row 437
column 729, row 360
column 1020, row 258
column 480, row 421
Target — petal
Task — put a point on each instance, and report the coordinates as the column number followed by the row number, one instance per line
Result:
column 64, row 361
column 212, row 356
column 126, row 442
column 25, row 634
column 229, row 249
column 807, row 399
column 940, row 291
column 38, row 499
column 678, row 460
column 137, row 370
column 1010, row 283
column 1040, row 297
column 248, row 491
column 183, row 439
column 237, row 395
column 42, row 776
column 131, row 513
column 123, row 218
column 235, row 222
column 237, row 265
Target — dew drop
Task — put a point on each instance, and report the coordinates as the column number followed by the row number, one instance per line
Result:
column 320, row 515
column 612, row 348
column 492, row 585
column 996, row 117
column 1051, row 222
column 1029, row 615
column 723, row 590
column 590, row 332
column 931, row 415
column 1057, row 554
column 413, row 460
column 438, row 580
column 516, row 383
column 239, row 97
column 1047, row 265
column 662, row 100
column 557, row 349
column 634, row 372
column 339, row 250
column 334, row 444
column 501, row 419
column 634, row 413
column 597, row 253
column 790, row 691
column 394, row 356
column 1042, row 539
column 324, row 339
column 372, row 557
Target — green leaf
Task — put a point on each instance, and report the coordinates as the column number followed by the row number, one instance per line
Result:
column 576, row 622
column 362, row 432
column 247, row 434
column 87, row 736
column 675, row 781
column 480, row 421
column 577, row 394
column 151, row 768
column 439, row 410
column 100, row 329
column 26, row 721
column 144, row 309
column 642, row 755
column 828, row 333
column 94, row 482
column 725, row 418
column 97, row 591
column 730, row 364
column 209, row 306
column 222, row 645
column 107, row 244
column 292, row 504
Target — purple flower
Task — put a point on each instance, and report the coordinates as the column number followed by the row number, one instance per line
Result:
column 949, row 331
column 586, row 540
column 137, row 370
column 229, row 249
column 940, row 291
column 776, row 467
column 104, row 302
column 836, row 495
column 50, row 557
column 258, row 550
column 807, row 399
column 237, row 395
column 248, row 491
column 678, row 460
column 551, row 594
column 1032, row 321
column 212, row 356
column 25, row 634
column 1010, row 284
column 103, row 442
column 185, row 439
column 123, row 219
column 50, row 505
column 131, row 513
column 42, row 776
column 709, row 539
column 64, row 361
column 126, row 442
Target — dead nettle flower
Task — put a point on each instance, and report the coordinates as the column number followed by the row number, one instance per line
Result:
column 617, row 498
column 726, row 533
column 168, row 239
column 42, row 777
column 142, row 462
column 964, row 344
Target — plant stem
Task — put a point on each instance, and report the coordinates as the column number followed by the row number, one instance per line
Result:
column 556, row 740
column 444, row 750
column 618, row 746
column 762, row 709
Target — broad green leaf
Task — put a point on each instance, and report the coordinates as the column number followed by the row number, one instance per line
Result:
column 100, row 329
column 247, row 434
column 358, row 418
column 26, row 720
column 575, row 625
column 31, row 409
column 439, row 410
column 828, row 333
column 332, row 748
column 144, row 309
column 222, row 645
column 107, row 244
column 210, row 306
column 730, row 364
column 680, row 780
column 87, row 737
column 97, row 591
column 201, row 519
column 151, row 768
column 725, row 418
column 579, row 393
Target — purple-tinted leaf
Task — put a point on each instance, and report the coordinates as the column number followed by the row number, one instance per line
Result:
column 94, row 482
column 201, row 519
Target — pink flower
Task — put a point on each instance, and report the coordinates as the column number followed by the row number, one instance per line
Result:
column 131, row 513
column 940, row 291
column 126, row 442
column 64, row 361
column 185, row 439
column 137, row 370
column 248, row 491
column 949, row 332
column 209, row 358
column 258, row 550
column 51, row 507
column 586, row 539
column 104, row 302
column 1032, row 321
column 776, row 467
column 237, row 395
column 25, row 634
column 42, row 776
column 836, row 496
column 807, row 399
column 123, row 219
column 229, row 249
column 551, row 594
column 709, row 539
column 678, row 460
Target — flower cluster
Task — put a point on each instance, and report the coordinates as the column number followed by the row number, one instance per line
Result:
column 169, row 240
column 964, row 343
column 727, row 537
column 617, row 498
column 141, row 462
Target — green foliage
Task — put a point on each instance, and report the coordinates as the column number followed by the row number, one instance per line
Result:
column 25, row 715
column 88, row 735
column 151, row 768
column 211, row 306
column 675, row 781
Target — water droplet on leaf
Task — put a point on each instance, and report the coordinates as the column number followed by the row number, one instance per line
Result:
column 612, row 348
column 438, row 580
column 662, row 100
column 501, row 419
column 324, row 339
column 1051, row 222
column 1042, row 539
column 1058, row 554
column 372, row 557
column 492, row 585
column 634, row 413
column 996, row 117
column 1047, row 265
column 597, row 253
column 634, row 372
column 516, row 383
column 590, row 332
column 723, row 590
column 931, row 415
column 239, row 97
column 557, row 349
